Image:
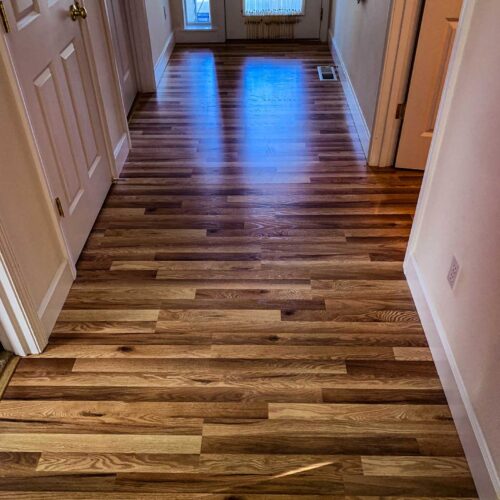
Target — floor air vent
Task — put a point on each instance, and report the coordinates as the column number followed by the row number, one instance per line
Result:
column 327, row 73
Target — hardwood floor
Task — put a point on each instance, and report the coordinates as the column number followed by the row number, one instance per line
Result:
column 240, row 327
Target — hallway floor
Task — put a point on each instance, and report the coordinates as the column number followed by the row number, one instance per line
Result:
column 240, row 327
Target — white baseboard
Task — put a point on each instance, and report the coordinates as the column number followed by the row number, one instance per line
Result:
column 473, row 441
column 54, row 300
column 120, row 153
column 352, row 100
column 162, row 62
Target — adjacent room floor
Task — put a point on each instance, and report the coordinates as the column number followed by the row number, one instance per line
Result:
column 240, row 326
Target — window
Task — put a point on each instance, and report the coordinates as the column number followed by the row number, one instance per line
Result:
column 273, row 7
column 197, row 14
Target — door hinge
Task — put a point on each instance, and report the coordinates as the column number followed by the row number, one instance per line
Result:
column 5, row 19
column 321, row 14
column 59, row 206
column 400, row 111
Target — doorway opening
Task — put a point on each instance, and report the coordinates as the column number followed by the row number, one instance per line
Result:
column 420, row 41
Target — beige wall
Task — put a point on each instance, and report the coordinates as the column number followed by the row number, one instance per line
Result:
column 461, row 218
column 359, row 32
column 160, row 26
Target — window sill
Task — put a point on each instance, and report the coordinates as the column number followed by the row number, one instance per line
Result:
column 200, row 28
column 299, row 14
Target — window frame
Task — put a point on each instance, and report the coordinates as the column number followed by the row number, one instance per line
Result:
column 243, row 11
column 197, row 26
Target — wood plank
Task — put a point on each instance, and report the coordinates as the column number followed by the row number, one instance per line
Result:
column 359, row 412
column 113, row 443
column 114, row 412
column 415, row 466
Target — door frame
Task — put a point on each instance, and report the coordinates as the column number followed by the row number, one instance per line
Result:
column 324, row 26
column 141, row 44
column 110, row 14
column 22, row 331
column 402, row 37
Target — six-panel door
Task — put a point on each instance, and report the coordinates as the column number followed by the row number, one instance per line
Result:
column 53, row 66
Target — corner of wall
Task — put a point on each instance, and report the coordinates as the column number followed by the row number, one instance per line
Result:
column 162, row 62
column 352, row 99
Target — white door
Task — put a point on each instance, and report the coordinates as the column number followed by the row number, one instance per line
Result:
column 120, row 30
column 434, row 46
column 309, row 25
column 53, row 67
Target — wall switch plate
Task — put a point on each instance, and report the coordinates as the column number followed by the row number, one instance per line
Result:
column 453, row 273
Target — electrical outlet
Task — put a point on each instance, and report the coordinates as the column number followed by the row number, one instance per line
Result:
column 453, row 273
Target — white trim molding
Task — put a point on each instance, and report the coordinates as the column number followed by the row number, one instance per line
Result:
column 24, row 331
column 352, row 100
column 17, row 331
column 120, row 153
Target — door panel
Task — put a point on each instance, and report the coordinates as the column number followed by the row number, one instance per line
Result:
column 308, row 27
column 24, row 10
column 53, row 67
column 74, row 82
column 58, row 151
column 434, row 48
column 123, row 49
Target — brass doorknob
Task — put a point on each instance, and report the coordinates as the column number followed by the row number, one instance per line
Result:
column 77, row 10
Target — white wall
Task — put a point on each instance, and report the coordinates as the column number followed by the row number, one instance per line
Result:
column 359, row 32
column 161, row 33
column 459, row 215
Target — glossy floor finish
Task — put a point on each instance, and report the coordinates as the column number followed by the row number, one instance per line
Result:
column 240, row 327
